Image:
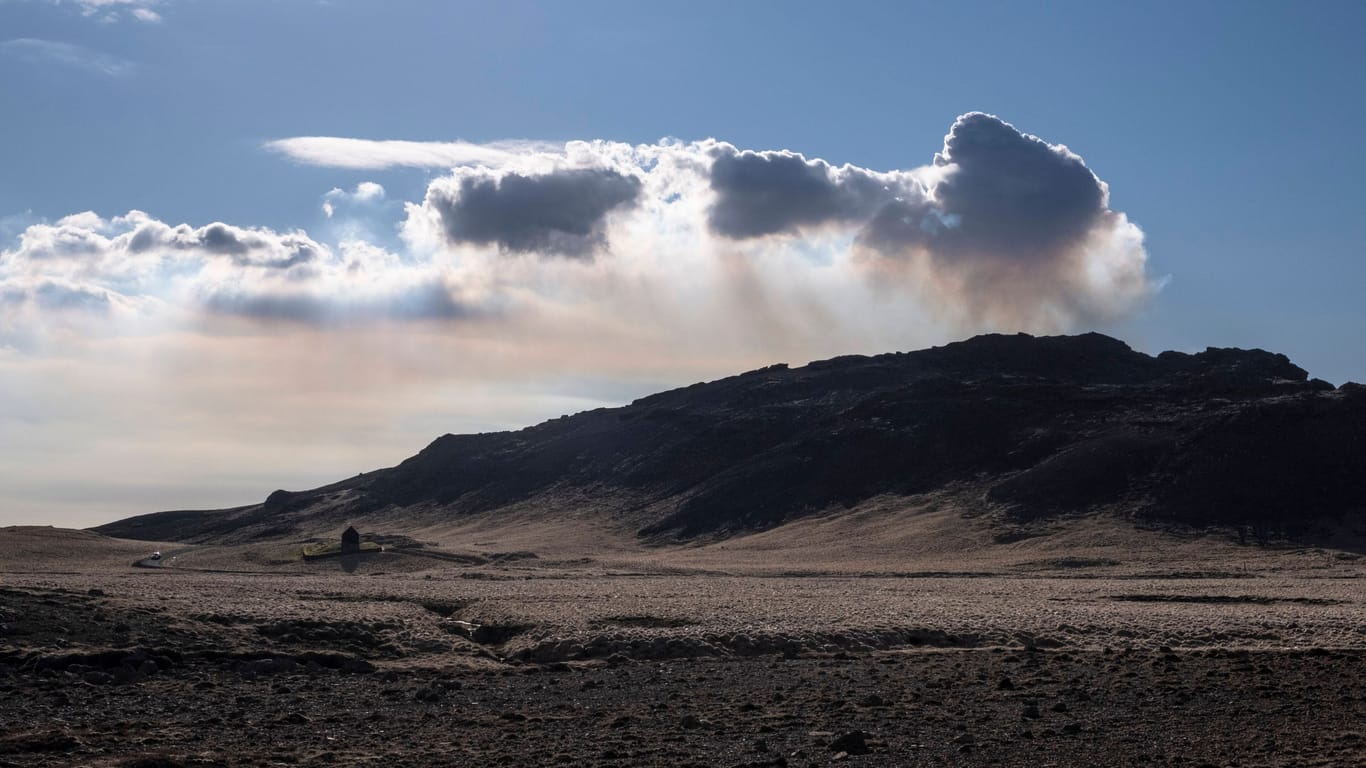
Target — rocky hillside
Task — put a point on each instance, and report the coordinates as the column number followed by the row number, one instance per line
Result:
column 1020, row 427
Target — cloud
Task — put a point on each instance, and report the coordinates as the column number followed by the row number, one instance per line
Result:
column 111, row 11
column 1011, row 227
column 53, row 295
column 39, row 51
column 765, row 193
column 62, row 274
column 429, row 301
column 999, row 231
column 365, row 193
column 1002, row 195
column 366, row 154
column 690, row 246
column 561, row 212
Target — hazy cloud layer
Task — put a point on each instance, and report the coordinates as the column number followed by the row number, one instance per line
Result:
column 66, row 54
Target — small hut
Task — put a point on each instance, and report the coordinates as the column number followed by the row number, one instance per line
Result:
column 350, row 540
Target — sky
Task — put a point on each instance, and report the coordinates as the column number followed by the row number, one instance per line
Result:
column 248, row 245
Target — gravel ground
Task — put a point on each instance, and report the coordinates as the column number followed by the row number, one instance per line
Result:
column 530, row 661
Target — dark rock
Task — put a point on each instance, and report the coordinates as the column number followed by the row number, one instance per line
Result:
column 853, row 743
column 692, row 722
column 154, row 761
column 47, row 741
column 1035, row 427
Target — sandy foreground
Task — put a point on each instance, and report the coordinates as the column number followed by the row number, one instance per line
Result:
column 514, row 646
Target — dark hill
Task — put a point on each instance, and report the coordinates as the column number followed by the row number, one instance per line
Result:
column 1024, row 427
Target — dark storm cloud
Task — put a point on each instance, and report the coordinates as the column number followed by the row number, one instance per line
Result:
column 765, row 193
column 1004, row 195
column 561, row 212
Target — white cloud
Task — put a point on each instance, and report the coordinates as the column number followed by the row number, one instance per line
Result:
column 62, row 274
column 368, row 190
column 66, row 54
column 366, row 193
column 667, row 242
column 338, row 152
column 114, row 10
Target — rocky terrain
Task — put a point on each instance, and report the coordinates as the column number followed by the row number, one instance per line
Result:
column 1143, row 652
column 1025, row 429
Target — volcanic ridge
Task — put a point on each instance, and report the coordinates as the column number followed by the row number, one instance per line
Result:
column 1019, row 428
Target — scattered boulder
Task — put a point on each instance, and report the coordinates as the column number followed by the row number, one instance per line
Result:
column 853, row 743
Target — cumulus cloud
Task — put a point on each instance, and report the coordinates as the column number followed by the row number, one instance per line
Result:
column 765, row 193
column 367, row 154
column 1001, row 195
column 1011, row 228
column 66, row 54
column 50, row 294
column 562, row 212
column 137, row 266
column 657, row 244
column 999, row 231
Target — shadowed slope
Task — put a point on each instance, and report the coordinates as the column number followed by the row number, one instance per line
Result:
column 1029, row 427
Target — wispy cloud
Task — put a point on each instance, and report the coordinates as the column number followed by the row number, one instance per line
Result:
column 340, row 152
column 116, row 10
column 66, row 54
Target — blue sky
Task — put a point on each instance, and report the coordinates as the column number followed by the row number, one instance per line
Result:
column 1226, row 133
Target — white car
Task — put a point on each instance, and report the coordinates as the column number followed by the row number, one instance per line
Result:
column 156, row 556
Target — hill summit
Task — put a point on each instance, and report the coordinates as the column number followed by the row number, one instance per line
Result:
column 1020, row 427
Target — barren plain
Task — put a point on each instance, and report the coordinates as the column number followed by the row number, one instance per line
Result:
column 884, row 637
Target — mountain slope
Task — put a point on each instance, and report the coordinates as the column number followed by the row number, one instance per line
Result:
column 1022, row 426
